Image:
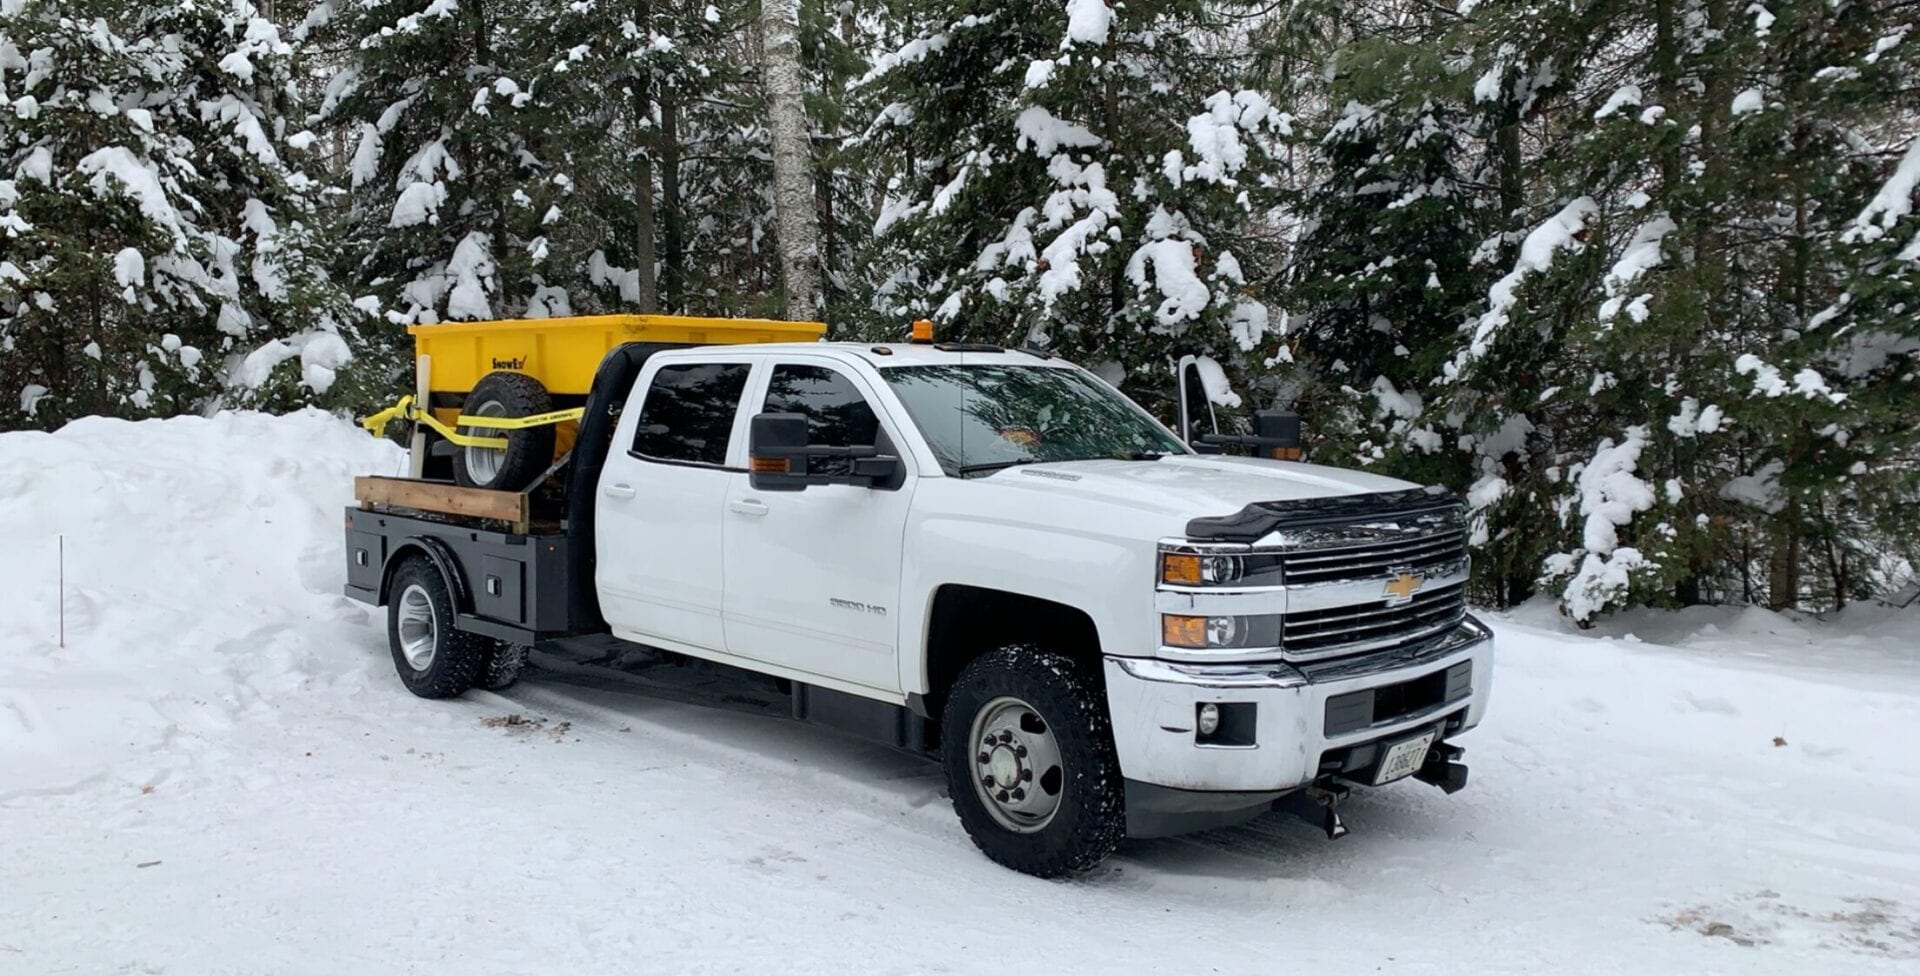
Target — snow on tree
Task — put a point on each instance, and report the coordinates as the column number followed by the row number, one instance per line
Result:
column 1651, row 359
column 1078, row 176
column 157, row 228
column 1380, row 280
column 512, row 159
column 450, row 190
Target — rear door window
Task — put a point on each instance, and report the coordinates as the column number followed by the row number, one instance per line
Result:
column 688, row 413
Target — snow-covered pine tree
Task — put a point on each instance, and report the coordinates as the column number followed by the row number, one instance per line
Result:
column 450, row 167
column 1380, row 278
column 155, row 234
column 835, row 43
column 1644, row 362
column 549, row 158
column 1833, row 104
column 645, row 104
column 1088, row 178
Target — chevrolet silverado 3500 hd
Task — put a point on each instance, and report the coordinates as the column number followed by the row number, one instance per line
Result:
column 990, row 555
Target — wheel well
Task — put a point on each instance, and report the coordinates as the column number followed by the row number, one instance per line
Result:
column 432, row 552
column 968, row 621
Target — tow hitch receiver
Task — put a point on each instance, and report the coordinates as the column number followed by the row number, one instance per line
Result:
column 1442, row 769
column 1328, row 794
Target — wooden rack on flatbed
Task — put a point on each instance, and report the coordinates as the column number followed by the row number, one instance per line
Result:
column 513, row 508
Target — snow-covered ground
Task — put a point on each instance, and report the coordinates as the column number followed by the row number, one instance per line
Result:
column 219, row 773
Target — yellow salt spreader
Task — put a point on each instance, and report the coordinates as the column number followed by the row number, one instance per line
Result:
column 508, row 395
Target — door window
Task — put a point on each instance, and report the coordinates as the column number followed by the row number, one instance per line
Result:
column 688, row 413
column 837, row 415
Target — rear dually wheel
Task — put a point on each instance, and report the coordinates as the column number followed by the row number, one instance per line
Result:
column 434, row 659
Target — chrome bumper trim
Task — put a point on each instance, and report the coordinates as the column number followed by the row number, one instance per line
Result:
column 1152, row 703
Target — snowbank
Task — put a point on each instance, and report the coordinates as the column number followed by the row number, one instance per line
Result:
column 219, row 773
column 202, row 578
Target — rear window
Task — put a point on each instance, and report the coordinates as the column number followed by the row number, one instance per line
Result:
column 688, row 413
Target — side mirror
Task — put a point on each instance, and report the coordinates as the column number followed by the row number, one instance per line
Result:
column 777, row 452
column 1276, row 435
column 779, row 458
column 1197, row 421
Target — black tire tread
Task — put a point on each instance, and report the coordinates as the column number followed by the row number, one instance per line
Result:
column 461, row 658
column 529, row 451
column 1091, row 821
column 502, row 667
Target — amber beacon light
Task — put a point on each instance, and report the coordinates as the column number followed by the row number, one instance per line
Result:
column 923, row 331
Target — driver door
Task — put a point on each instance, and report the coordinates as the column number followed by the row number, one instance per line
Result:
column 813, row 576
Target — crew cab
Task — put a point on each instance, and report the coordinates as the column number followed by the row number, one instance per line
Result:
column 991, row 555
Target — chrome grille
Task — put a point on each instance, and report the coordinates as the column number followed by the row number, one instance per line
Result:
column 1376, row 624
column 1374, row 560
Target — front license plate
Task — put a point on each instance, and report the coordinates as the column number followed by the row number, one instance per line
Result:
column 1403, row 759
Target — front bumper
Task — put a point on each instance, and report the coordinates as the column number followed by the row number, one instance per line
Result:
column 1306, row 721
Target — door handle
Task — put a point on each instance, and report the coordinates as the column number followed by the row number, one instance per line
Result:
column 618, row 491
column 748, row 506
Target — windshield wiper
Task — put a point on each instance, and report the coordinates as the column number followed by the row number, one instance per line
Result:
column 1119, row 456
column 996, row 465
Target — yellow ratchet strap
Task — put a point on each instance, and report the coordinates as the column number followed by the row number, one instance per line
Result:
column 405, row 409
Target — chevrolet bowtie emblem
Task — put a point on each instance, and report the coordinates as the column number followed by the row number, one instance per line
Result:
column 1402, row 586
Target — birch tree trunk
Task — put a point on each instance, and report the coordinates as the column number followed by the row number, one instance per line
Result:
column 644, row 255
column 793, row 190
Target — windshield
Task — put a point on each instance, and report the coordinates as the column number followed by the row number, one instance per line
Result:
column 984, row 417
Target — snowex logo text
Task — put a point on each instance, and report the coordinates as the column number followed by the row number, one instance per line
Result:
column 517, row 362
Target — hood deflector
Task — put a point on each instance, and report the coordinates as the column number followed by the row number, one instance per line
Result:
column 1257, row 520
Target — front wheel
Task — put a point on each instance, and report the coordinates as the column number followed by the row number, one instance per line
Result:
column 1030, row 762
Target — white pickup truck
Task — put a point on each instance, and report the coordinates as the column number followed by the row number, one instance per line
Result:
column 988, row 555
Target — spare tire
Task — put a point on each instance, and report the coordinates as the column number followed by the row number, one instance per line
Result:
column 528, row 452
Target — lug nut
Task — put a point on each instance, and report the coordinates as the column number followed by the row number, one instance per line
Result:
column 1006, row 736
column 1001, row 796
column 1020, row 751
column 982, row 759
column 1026, row 776
column 986, row 781
column 1019, row 795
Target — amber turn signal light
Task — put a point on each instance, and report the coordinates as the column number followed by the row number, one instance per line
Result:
column 1285, row 454
column 1180, row 569
column 1179, row 631
column 769, row 465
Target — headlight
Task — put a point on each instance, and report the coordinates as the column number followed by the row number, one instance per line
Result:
column 1219, row 632
column 1200, row 569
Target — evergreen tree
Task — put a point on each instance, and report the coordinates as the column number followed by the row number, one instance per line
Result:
column 158, row 241
column 550, row 158
column 1656, row 362
column 1380, row 278
column 1076, row 176
column 452, row 185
